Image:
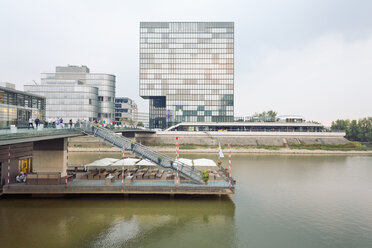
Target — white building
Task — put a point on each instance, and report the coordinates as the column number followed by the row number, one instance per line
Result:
column 72, row 92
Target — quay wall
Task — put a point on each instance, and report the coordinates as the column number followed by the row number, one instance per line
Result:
column 279, row 139
column 243, row 138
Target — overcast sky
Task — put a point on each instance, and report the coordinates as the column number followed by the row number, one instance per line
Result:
column 310, row 58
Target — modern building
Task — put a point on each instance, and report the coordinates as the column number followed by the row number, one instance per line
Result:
column 248, row 127
column 125, row 108
column 72, row 92
column 16, row 107
column 144, row 118
column 187, row 71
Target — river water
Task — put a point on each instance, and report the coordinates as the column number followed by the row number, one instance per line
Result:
column 280, row 201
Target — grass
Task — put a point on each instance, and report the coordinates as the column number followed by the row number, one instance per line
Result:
column 351, row 146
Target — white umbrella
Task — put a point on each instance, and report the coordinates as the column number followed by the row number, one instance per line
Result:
column 204, row 163
column 126, row 161
column 185, row 161
column 103, row 162
column 145, row 162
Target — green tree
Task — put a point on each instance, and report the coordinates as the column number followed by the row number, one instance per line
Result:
column 140, row 124
column 266, row 116
column 360, row 130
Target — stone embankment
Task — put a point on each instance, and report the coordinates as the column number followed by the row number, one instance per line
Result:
column 279, row 139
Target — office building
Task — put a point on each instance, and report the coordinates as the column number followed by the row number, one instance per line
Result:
column 187, row 71
column 72, row 92
column 125, row 108
column 144, row 119
column 16, row 107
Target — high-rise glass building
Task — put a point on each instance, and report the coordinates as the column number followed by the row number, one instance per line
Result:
column 187, row 71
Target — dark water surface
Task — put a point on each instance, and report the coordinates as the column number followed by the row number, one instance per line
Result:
column 281, row 201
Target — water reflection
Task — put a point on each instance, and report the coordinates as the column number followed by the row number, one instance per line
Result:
column 116, row 222
column 280, row 201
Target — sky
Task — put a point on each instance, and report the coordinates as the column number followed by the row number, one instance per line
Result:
column 308, row 58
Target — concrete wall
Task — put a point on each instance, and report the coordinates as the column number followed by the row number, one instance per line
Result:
column 50, row 156
column 242, row 138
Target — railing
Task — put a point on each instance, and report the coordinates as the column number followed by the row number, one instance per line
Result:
column 143, row 151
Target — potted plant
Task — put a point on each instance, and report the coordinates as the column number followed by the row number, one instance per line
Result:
column 205, row 176
column 159, row 160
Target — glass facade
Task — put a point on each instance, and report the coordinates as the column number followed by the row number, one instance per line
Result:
column 187, row 71
column 68, row 100
column 74, row 92
column 16, row 107
column 125, row 108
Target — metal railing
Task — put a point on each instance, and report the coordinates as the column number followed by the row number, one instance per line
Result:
column 158, row 158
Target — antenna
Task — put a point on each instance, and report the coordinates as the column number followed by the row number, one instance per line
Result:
column 34, row 82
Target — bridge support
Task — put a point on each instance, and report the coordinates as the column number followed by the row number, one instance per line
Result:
column 50, row 156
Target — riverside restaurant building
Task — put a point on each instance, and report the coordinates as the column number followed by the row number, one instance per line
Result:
column 248, row 127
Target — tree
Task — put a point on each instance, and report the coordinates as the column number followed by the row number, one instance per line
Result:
column 266, row 116
column 140, row 124
column 360, row 130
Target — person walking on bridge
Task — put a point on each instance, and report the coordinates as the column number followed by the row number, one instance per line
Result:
column 30, row 123
column 37, row 121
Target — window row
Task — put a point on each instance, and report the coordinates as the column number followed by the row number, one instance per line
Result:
column 219, row 103
column 187, row 61
column 187, row 87
column 186, row 35
column 201, row 82
column 186, row 76
column 192, row 40
column 187, row 71
column 199, row 107
column 184, row 94
column 187, row 66
column 11, row 98
column 187, row 28
column 186, row 56
column 186, row 46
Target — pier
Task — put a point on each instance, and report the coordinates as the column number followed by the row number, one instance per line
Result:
column 44, row 157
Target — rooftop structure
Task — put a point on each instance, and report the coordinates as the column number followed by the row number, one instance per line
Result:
column 187, row 71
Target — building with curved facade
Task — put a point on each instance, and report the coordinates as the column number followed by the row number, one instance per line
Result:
column 72, row 92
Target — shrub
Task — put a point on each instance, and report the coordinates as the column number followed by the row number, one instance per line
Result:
column 205, row 176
